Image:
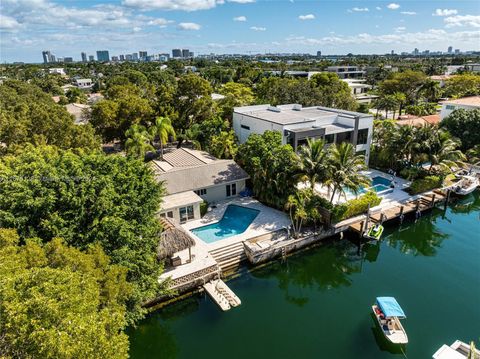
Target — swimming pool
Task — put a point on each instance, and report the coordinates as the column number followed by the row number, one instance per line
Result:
column 235, row 220
column 379, row 184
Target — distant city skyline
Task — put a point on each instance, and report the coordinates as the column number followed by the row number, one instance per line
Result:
column 68, row 28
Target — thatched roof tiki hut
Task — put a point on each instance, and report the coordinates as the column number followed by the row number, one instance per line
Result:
column 173, row 240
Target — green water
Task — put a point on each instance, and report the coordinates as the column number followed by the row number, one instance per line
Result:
column 316, row 304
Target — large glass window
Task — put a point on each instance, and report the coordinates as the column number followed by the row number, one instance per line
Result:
column 344, row 137
column 231, row 189
column 362, row 136
column 186, row 213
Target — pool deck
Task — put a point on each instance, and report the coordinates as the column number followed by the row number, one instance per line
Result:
column 268, row 220
column 397, row 194
column 203, row 263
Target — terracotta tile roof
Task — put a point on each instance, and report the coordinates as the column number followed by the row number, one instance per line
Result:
column 469, row 101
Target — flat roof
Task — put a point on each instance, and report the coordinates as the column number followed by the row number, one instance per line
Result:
column 294, row 113
column 180, row 199
column 468, row 101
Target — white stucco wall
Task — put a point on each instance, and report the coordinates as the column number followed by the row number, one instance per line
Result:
column 445, row 112
column 219, row 192
column 176, row 212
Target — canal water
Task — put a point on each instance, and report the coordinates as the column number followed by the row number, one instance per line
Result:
column 317, row 303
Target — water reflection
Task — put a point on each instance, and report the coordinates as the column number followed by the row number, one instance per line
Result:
column 324, row 268
column 466, row 204
column 383, row 344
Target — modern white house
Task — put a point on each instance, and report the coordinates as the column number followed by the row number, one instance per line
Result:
column 84, row 83
column 359, row 89
column 466, row 103
column 347, row 72
column 57, row 70
column 297, row 123
column 191, row 177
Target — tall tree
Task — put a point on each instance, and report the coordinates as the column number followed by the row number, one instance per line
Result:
column 464, row 125
column 60, row 302
column 87, row 198
column 163, row 129
column 314, row 165
column 345, row 173
column 138, row 142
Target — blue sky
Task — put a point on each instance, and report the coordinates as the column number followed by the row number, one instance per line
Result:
column 68, row 27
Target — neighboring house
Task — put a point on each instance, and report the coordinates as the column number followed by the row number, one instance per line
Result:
column 79, row 111
column 441, row 79
column 84, row 83
column 418, row 121
column 466, row 103
column 57, row 70
column 191, row 177
column 67, row 87
column 473, row 67
column 359, row 89
column 297, row 123
column 347, row 72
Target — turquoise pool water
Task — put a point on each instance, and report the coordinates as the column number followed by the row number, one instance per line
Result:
column 235, row 220
column 379, row 184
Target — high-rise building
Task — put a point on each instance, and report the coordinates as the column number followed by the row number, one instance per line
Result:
column 319, row 54
column 103, row 56
column 457, row 51
column 450, row 49
column 185, row 53
column 135, row 56
column 392, row 52
column 91, row 58
column 68, row 59
column 143, row 55
column 176, row 53
column 84, row 57
column 47, row 56
column 416, row 52
column 122, row 57
column 114, row 58
column 128, row 57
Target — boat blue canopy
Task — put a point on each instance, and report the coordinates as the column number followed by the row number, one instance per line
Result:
column 390, row 307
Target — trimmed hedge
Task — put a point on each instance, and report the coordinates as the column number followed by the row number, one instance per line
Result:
column 203, row 208
column 355, row 206
column 425, row 184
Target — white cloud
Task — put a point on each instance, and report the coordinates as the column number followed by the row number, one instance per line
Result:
column 307, row 17
column 462, row 20
column 408, row 13
column 360, row 9
column 240, row 18
column 378, row 8
column 400, row 29
column 160, row 22
column 393, row 6
column 189, row 26
column 257, row 28
column 445, row 12
column 8, row 23
column 242, row 1
column 137, row 29
column 432, row 37
column 185, row 5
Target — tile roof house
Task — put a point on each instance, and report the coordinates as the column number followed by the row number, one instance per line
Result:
column 466, row 103
column 191, row 177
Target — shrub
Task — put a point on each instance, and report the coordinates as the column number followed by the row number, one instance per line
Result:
column 203, row 208
column 355, row 206
column 425, row 184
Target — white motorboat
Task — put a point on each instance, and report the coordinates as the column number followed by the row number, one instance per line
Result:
column 458, row 350
column 388, row 313
column 466, row 185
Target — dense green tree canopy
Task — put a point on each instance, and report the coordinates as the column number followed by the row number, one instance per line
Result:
column 87, row 198
column 462, row 85
column 465, row 125
column 28, row 115
column 272, row 167
column 60, row 302
column 408, row 82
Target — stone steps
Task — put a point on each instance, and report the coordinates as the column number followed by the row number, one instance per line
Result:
column 230, row 257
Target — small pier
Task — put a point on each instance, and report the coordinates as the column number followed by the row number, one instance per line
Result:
column 422, row 203
column 222, row 294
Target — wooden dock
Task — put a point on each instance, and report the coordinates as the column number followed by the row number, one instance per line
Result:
column 422, row 203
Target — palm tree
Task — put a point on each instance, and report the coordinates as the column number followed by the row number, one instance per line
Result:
column 297, row 208
column 344, row 172
column 398, row 99
column 441, row 149
column 313, row 162
column 138, row 142
column 223, row 145
column 163, row 129
column 430, row 90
